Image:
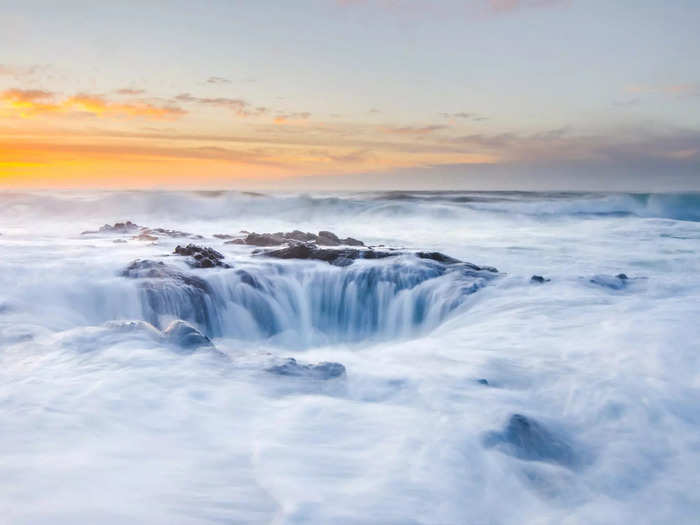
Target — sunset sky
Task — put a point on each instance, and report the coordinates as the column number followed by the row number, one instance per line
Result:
column 528, row 93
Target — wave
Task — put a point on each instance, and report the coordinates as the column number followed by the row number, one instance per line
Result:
column 176, row 207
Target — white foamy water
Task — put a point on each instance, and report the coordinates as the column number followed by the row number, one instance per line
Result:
column 107, row 422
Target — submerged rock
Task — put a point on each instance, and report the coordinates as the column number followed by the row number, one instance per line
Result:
column 538, row 279
column 323, row 370
column 182, row 334
column 201, row 256
column 525, row 438
column 614, row 282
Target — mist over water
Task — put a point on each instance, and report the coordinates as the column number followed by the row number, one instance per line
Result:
column 468, row 397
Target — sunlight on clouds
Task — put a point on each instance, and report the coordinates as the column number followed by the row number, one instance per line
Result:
column 27, row 103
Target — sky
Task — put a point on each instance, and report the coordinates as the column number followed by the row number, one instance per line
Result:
column 351, row 94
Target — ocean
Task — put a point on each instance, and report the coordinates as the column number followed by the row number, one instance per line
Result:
column 406, row 388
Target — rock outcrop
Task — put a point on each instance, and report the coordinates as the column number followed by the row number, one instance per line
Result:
column 323, row 238
column 201, row 256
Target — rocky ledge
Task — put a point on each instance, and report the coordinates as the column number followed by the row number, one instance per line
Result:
column 323, row 238
column 140, row 233
column 346, row 256
column 201, row 256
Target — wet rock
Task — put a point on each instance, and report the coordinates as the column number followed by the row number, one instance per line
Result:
column 437, row 256
column 324, row 238
column 168, row 293
column 538, row 279
column 265, row 239
column 352, row 242
column 527, row 439
column 298, row 235
column 223, row 236
column 482, row 381
column 119, row 241
column 324, row 370
column 148, row 269
column 336, row 257
column 201, row 256
column 614, row 282
column 148, row 233
column 117, row 227
column 346, row 256
column 163, row 232
column 185, row 336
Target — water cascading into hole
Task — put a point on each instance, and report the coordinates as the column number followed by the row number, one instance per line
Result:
column 309, row 303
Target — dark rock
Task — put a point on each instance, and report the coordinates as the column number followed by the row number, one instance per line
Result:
column 148, row 269
column 163, row 232
column 538, row 279
column 117, row 227
column 264, row 239
column 152, row 233
column 326, row 238
column 525, row 438
column 167, row 293
column 346, row 256
column 182, row 334
column 336, row 257
column 324, row 370
column 201, row 256
column 482, row 381
column 298, row 235
column 437, row 256
column 223, row 236
column 119, row 241
column 235, row 241
column 614, row 282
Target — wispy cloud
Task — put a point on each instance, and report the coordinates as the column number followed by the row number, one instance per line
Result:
column 284, row 118
column 239, row 106
column 464, row 116
column 218, row 80
column 414, row 130
column 675, row 90
column 21, row 73
column 130, row 91
column 32, row 102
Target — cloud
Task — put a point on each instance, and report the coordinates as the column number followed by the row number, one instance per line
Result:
column 33, row 102
column 218, row 80
column 21, row 72
column 239, row 106
column 504, row 6
column 465, row 116
column 413, row 130
column 130, row 91
column 676, row 90
column 287, row 117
